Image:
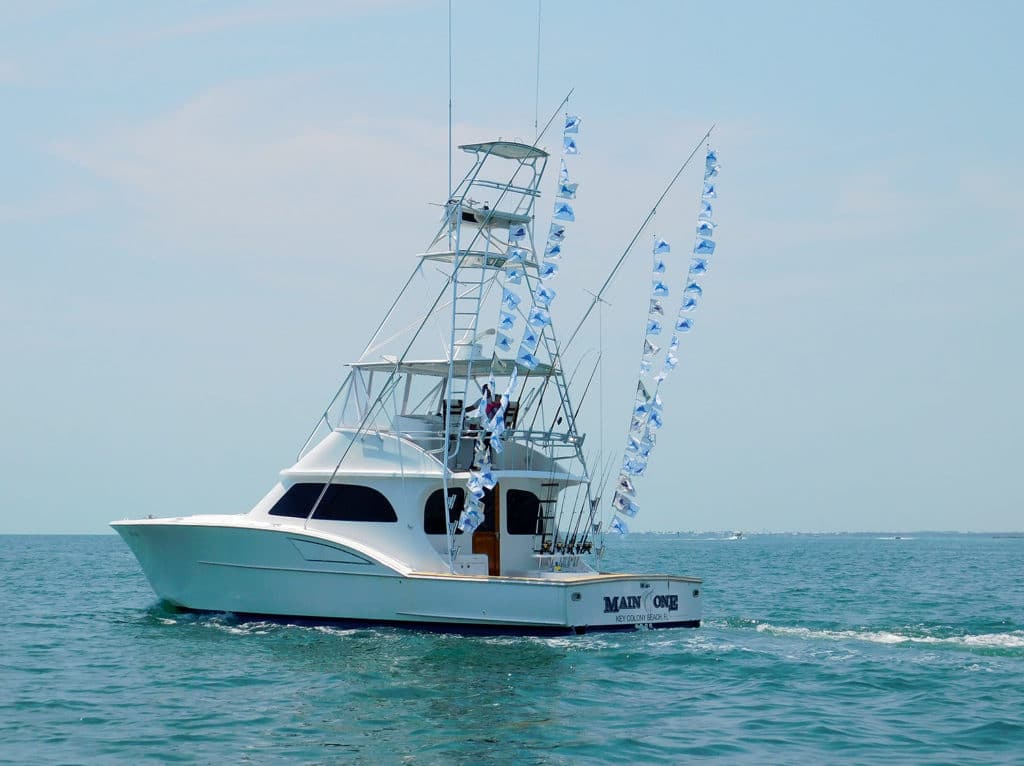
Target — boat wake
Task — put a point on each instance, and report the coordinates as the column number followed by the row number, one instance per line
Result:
column 998, row 641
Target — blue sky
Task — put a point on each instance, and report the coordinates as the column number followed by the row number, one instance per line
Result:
column 198, row 199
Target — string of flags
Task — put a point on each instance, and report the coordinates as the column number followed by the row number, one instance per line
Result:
column 491, row 409
column 647, row 417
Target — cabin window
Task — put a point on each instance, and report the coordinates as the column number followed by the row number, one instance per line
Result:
column 342, row 502
column 522, row 509
column 433, row 511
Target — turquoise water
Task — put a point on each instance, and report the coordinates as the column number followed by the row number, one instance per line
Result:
column 846, row 649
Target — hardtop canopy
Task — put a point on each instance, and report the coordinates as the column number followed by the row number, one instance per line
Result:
column 509, row 150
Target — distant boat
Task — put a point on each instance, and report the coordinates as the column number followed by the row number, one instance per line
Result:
column 736, row 536
column 423, row 495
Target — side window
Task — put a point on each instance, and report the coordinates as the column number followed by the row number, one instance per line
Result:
column 433, row 511
column 342, row 502
column 522, row 512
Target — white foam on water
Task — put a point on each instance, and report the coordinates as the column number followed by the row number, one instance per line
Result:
column 329, row 630
column 586, row 642
column 1012, row 640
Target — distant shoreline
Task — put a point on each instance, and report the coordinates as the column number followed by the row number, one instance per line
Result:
column 711, row 534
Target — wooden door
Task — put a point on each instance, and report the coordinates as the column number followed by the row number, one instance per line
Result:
column 486, row 538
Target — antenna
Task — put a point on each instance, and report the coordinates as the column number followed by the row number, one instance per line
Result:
column 450, row 76
column 536, row 97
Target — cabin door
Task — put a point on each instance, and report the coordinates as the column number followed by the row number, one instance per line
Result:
column 486, row 538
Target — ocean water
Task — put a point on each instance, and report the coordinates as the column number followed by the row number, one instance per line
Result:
column 815, row 649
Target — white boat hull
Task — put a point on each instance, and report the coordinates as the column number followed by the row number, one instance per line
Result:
column 285, row 571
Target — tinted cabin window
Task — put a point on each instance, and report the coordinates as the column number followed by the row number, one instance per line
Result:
column 342, row 502
column 522, row 511
column 433, row 511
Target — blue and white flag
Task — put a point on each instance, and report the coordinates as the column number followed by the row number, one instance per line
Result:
column 684, row 325
column 709, row 191
column 563, row 172
column 653, row 327
column 624, row 505
column 642, row 447
column 634, row 466
column 671, row 362
column 698, row 266
column 688, row 304
column 706, row 228
column 514, row 275
column 516, row 255
column 556, row 233
column 564, row 212
column 661, row 247
column 704, row 247
column 471, row 518
column 649, row 350
column 530, row 340
column 569, row 146
column 659, row 265
column 502, row 342
column 693, row 287
column 516, row 232
column 547, row 270
column 673, row 344
column 656, row 308
column 539, row 317
column 567, row 190
column 572, row 124
column 510, row 299
column 659, row 289
column 506, row 320
column 705, row 211
column 543, row 296
column 625, row 486
column 553, row 251
column 618, row 526
column 526, row 358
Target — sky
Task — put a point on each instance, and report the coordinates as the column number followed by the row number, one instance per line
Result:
column 206, row 207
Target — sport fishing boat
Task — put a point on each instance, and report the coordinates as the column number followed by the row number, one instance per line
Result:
column 446, row 483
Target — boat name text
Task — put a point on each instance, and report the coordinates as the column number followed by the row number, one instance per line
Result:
column 614, row 604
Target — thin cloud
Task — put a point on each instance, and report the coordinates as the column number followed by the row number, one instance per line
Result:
column 257, row 162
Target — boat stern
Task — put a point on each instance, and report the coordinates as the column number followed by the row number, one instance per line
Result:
column 623, row 601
